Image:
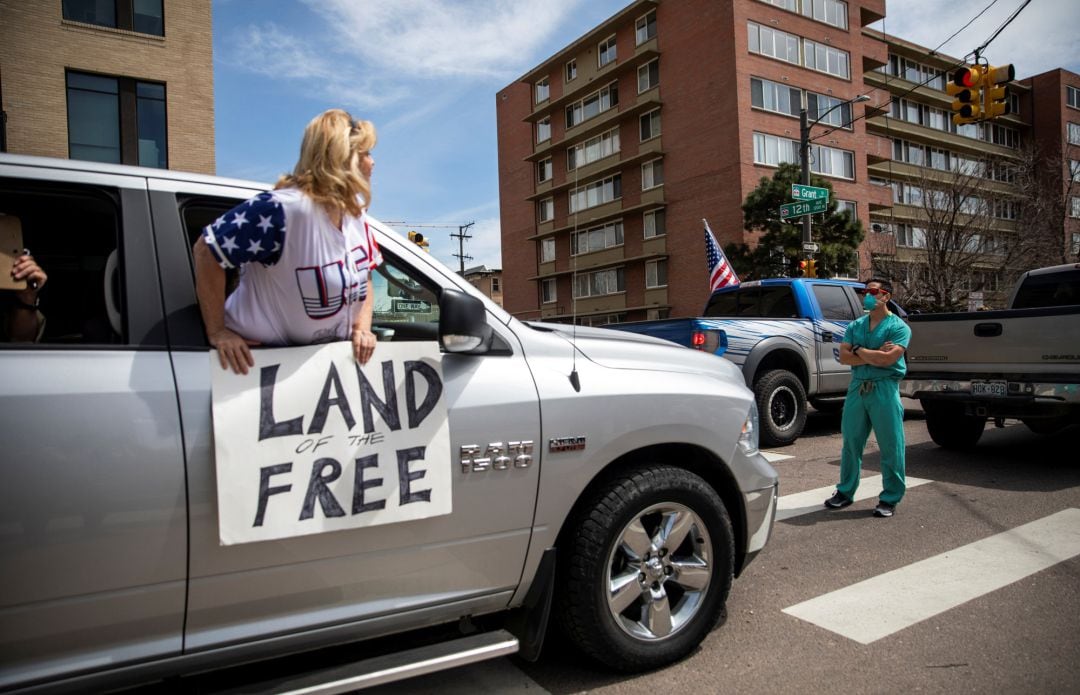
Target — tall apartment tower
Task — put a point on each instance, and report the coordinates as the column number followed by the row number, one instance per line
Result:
column 612, row 150
column 124, row 81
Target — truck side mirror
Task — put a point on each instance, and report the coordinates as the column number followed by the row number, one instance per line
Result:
column 463, row 326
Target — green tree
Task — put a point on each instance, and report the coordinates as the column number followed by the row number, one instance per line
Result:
column 779, row 249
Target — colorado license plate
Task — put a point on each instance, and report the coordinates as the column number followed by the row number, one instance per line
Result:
column 989, row 388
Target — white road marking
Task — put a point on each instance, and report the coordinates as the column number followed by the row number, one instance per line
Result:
column 801, row 503
column 879, row 606
column 773, row 457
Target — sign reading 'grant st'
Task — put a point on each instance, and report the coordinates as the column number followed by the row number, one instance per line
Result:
column 803, row 192
column 309, row 441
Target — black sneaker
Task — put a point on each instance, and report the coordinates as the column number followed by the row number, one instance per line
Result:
column 884, row 509
column 837, row 501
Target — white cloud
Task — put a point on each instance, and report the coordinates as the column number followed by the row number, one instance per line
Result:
column 425, row 38
column 1042, row 37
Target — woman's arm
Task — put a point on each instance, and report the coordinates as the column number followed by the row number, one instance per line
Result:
column 363, row 340
column 233, row 350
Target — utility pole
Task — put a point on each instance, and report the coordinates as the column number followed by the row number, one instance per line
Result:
column 461, row 236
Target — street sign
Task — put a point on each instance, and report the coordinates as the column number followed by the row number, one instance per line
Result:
column 421, row 306
column 801, row 192
column 799, row 209
column 809, row 247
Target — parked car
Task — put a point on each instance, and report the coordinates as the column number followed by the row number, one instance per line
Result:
column 643, row 497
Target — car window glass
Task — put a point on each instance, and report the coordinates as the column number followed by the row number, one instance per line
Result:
column 748, row 302
column 778, row 302
column 404, row 303
column 72, row 232
column 834, row 303
column 1051, row 289
column 199, row 212
column 722, row 304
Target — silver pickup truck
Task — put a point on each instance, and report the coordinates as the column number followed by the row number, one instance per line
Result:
column 1023, row 362
column 642, row 495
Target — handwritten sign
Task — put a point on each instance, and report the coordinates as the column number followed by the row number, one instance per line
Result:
column 308, row 441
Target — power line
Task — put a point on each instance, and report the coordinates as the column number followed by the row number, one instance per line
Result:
column 934, row 52
column 980, row 49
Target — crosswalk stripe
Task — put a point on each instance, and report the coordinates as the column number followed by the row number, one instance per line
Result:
column 879, row 606
column 801, row 503
column 773, row 457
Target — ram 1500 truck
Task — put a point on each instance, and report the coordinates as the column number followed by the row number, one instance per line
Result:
column 612, row 481
column 1022, row 362
column 785, row 334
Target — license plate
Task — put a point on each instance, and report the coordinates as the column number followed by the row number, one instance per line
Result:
column 989, row 388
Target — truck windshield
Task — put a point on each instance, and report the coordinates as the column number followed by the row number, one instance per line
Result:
column 1050, row 289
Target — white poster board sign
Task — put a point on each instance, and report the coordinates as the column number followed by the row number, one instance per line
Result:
column 308, row 441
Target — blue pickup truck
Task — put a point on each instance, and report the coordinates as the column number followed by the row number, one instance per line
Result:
column 785, row 334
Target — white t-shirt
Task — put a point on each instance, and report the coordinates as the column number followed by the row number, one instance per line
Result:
column 301, row 279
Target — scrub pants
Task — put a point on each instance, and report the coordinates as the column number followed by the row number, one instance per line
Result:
column 877, row 404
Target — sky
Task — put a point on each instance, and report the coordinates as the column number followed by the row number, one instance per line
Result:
column 426, row 72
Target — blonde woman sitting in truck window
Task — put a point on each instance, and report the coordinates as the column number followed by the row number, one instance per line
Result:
column 304, row 250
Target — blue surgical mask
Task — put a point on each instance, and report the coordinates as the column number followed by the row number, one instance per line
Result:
column 869, row 301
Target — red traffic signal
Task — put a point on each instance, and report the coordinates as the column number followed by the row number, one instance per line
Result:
column 803, row 267
column 965, row 87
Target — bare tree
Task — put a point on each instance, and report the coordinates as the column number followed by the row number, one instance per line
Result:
column 1046, row 183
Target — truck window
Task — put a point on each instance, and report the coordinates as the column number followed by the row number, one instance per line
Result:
column 834, row 303
column 1050, row 289
column 404, row 302
column 778, row 303
column 723, row 304
column 72, row 232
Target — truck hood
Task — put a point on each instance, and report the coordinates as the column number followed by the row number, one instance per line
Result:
column 623, row 350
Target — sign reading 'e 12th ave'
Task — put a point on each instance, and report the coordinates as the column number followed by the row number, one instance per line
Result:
column 790, row 210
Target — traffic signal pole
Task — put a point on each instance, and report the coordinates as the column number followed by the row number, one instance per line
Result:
column 804, row 159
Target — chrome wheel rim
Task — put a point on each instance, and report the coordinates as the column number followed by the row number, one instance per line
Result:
column 659, row 571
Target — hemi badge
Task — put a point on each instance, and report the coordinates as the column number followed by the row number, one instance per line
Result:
column 566, row 444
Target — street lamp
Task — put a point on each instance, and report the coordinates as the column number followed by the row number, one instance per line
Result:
column 804, row 152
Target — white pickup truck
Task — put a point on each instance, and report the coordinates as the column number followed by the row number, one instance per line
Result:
column 610, row 480
column 1022, row 362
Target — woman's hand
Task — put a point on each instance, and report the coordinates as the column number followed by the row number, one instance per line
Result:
column 26, row 268
column 363, row 344
column 233, row 350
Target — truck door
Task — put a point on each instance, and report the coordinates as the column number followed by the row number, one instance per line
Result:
column 93, row 514
column 836, row 314
column 399, row 575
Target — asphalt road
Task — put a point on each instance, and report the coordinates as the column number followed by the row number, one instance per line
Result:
column 983, row 517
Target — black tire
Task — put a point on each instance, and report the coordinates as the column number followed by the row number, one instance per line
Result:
column 950, row 428
column 609, row 625
column 781, row 402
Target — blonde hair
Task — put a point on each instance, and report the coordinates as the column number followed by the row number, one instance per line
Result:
column 326, row 170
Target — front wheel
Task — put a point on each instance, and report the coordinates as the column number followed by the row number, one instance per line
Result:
column 647, row 569
column 781, row 401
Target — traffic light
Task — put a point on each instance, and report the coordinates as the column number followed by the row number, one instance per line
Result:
column 966, row 89
column 418, row 239
column 811, row 268
column 804, row 267
column 995, row 93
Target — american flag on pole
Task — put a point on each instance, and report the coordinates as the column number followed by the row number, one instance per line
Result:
column 721, row 274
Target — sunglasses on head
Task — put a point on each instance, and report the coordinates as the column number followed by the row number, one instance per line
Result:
column 875, row 291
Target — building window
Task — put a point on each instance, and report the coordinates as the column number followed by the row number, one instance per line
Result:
column 543, row 91
column 655, row 274
column 99, row 129
column 593, row 149
column 790, row 5
column 543, row 170
column 494, row 285
column 1074, row 133
column 912, row 71
column 847, row 206
column 596, row 193
column 835, row 111
column 910, row 237
column 546, row 209
column 600, row 283
column 773, row 43
column 547, row 291
column 655, row 222
column 571, row 70
column 1072, row 96
column 652, row 174
column 648, row 76
column 596, row 239
column 832, row 12
column 657, row 314
column 775, row 97
column 1074, row 207
column 828, row 161
column 645, row 28
column 543, row 129
column 773, row 151
column 650, row 125
column 1074, row 169
column 593, row 105
column 143, row 16
column 1014, row 104
column 1075, row 248
column 547, row 250
column 601, row 319
column 823, row 58
column 605, row 52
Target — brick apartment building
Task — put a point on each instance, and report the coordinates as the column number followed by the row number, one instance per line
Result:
column 109, row 80
column 613, row 150
column 487, row 280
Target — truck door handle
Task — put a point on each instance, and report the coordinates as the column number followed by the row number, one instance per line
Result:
column 987, row 330
column 826, row 336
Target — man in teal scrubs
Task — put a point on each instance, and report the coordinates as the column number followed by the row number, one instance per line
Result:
column 874, row 346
